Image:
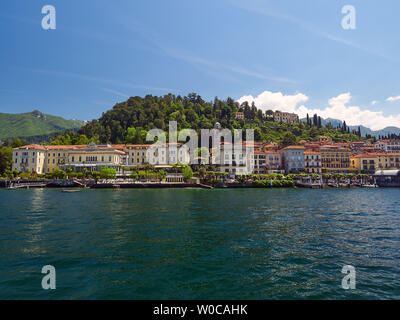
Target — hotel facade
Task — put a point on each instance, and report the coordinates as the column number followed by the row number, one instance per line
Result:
column 40, row 159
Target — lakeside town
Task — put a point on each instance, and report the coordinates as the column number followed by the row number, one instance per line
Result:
column 316, row 163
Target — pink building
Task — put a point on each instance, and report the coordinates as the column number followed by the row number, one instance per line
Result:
column 273, row 162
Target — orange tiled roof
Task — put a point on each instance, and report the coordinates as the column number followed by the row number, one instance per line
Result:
column 31, row 146
column 366, row 155
column 294, row 147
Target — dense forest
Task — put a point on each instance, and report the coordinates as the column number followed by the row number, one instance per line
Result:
column 129, row 121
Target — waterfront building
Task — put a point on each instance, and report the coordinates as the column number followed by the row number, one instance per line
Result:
column 285, row 117
column 57, row 156
column 388, row 161
column 136, row 154
column 259, row 162
column 312, row 161
column 93, row 158
column 29, row 158
column 335, row 159
column 273, row 162
column 365, row 163
column 293, row 159
column 388, row 146
column 233, row 158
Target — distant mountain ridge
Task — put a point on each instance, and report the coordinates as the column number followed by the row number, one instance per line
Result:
column 35, row 123
column 364, row 130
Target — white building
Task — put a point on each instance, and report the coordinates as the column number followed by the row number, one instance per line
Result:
column 389, row 146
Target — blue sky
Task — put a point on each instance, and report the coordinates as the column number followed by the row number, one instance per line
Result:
column 295, row 52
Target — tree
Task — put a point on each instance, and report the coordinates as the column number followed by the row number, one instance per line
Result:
column 289, row 139
column 131, row 135
column 84, row 172
column 108, row 173
column 187, row 172
column 96, row 175
column 129, row 121
column 315, row 120
column 5, row 159
column 134, row 175
column 58, row 174
column 68, row 171
column 161, row 174
column 202, row 172
column 319, row 122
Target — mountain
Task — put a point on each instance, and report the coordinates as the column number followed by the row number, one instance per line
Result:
column 34, row 124
column 364, row 130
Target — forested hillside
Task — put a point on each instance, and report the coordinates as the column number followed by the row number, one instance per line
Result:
column 129, row 121
column 34, row 123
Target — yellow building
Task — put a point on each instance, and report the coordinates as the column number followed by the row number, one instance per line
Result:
column 29, row 158
column 137, row 154
column 335, row 159
column 388, row 161
column 365, row 163
column 57, row 156
column 45, row 159
column 94, row 158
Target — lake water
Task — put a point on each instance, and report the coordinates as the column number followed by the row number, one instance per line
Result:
column 200, row 244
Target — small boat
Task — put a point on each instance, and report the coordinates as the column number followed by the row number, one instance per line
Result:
column 116, row 186
column 71, row 191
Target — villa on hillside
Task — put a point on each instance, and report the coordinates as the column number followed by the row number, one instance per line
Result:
column 285, row 117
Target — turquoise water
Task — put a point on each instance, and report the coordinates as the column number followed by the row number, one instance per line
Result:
column 200, row 244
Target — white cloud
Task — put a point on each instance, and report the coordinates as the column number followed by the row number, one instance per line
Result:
column 276, row 101
column 374, row 102
column 337, row 108
column 391, row 99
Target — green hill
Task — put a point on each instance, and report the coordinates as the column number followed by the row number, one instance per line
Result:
column 35, row 123
column 129, row 121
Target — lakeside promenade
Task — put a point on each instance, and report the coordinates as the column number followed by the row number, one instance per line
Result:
column 132, row 184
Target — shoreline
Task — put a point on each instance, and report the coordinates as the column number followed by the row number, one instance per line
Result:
column 89, row 184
